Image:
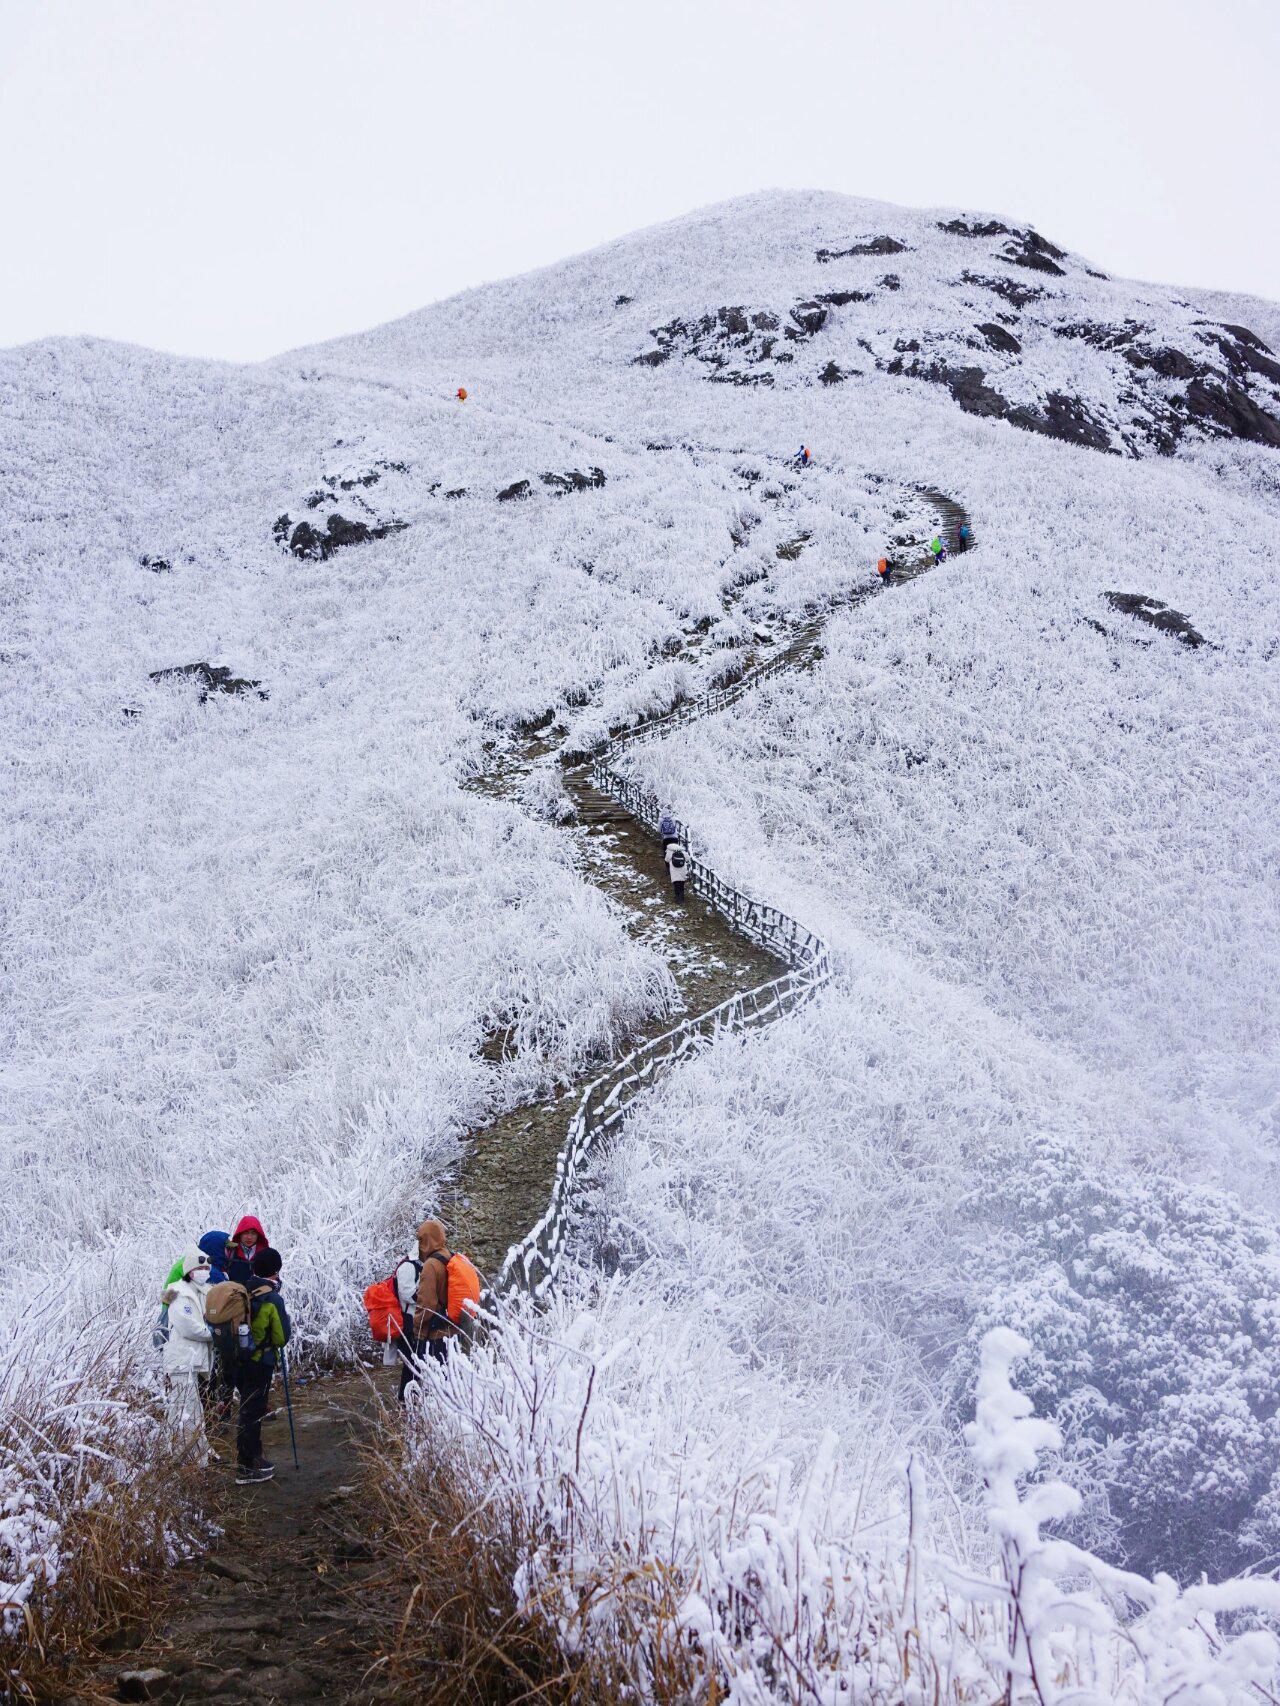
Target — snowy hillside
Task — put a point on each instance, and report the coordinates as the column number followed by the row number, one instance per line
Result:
column 262, row 931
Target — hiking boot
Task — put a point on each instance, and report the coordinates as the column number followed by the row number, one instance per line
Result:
column 248, row 1475
column 265, row 1469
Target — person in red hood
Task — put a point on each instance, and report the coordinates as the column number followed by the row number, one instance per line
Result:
column 247, row 1239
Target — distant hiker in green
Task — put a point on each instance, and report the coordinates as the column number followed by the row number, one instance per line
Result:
column 938, row 550
column 268, row 1333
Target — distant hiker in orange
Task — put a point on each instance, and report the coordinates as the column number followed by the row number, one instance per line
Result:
column 803, row 457
column 462, row 393
column 884, row 568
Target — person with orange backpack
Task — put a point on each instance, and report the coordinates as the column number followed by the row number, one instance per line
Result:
column 448, row 1297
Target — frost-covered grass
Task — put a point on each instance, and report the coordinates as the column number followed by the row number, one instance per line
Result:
column 254, row 947
column 661, row 1545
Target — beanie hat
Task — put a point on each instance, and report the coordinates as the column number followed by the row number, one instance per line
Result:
column 266, row 1264
column 193, row 1259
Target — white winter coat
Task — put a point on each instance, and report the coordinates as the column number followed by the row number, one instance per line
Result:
column 678, row 862
column 189, row 1348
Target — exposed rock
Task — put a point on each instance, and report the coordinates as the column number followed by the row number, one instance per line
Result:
column 651, row 358
column 211, row 678
column 157, row 565
column 811, row 317
column 1227, row 411
column 309, row 544
column 1009, row 288
column 457, row 492
column 517, row 489
column 1064, row 418
column 621, row 301
column 891, row 281
column 1156, row 614
column 1245, row 352
column 974, row 228
column 1000, row 339
column 831, row 374
column 841, row 298
column 1030, row 249
column 968, row 385
column 575, row 480
column 873, row 246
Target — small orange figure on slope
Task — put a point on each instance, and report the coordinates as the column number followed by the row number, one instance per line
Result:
column 462, row 393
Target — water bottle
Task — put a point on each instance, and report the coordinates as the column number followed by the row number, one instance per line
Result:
column 245, row 1336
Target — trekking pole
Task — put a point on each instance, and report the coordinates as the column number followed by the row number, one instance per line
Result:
column 288, row 1404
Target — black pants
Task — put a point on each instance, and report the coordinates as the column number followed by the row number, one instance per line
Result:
column 437, row 1348
column 677, row 888
column 217, row 1394
column 254, row 1382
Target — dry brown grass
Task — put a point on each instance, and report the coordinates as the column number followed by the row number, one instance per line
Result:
column 460, row 1640
column 91, row 1449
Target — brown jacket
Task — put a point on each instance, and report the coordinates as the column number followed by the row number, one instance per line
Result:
column 433, row 1284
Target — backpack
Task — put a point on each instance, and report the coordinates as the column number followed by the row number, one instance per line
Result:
column 226, row 1310
column 678, row 861
column 461, row 1290
column 382, row 1305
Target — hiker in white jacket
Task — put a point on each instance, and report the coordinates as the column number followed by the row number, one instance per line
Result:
column 188, row 1351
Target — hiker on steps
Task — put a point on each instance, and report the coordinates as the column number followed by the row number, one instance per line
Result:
column 937, row 549
column 678, row 868
column 448, row 1296
column 269, row 1332
column 188, row 1352
column 668, row 829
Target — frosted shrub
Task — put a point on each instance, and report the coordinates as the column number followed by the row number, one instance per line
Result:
column 671, row 1557
column 1153, row 1311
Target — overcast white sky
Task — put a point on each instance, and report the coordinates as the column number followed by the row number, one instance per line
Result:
column 233, row 177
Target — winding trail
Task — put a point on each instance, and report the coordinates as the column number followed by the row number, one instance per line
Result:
column 293, row 1602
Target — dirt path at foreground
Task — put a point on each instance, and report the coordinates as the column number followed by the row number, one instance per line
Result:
column 295, row 1599
column 285, row 1605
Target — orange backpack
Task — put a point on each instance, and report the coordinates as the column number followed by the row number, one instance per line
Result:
column 386, row 1318
column 461, row 1287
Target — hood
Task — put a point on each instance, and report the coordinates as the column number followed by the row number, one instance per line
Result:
column 192, row 1272
column 214, row 1245
column 431, row 1237
column 251, row 1223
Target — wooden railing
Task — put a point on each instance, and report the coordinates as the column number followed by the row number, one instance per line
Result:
column 534, row 1262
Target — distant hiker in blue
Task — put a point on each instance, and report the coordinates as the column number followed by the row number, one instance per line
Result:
column 962, row 544
column 802, row 457
column 667, row 829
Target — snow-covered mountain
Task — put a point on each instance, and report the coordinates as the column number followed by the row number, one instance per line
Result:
column 259, row 625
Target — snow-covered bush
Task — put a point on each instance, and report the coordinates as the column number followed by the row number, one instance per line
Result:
column 1153, row 1314
column 671, row 1555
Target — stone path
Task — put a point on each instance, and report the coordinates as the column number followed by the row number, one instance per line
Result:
column 286, row 1607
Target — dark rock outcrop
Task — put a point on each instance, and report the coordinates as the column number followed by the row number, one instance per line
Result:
column 574, row 481
column 1030, row 249
column 157, row 565
column 1008, row 288
column 1156, row 614
column 974, row 228
column 831, row 374
column 872, row 246
column 210, row 678
column 1000, row 339
column 516, row 490
column 842, row 298
column 311, row 544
